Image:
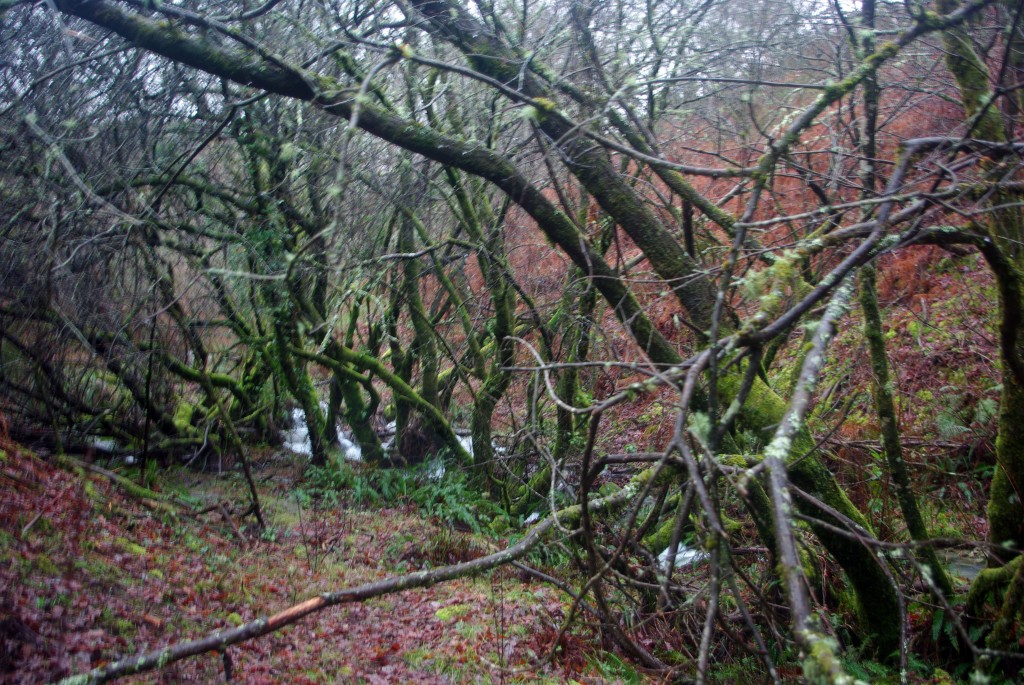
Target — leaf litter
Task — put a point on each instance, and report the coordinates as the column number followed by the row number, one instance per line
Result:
column 88, row 575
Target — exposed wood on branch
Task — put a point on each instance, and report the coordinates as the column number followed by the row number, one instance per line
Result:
column 219, row 641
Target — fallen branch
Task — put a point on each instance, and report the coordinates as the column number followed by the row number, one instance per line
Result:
column 207, row 509
column 151, row 499
column 219, row 641
column 231, row 522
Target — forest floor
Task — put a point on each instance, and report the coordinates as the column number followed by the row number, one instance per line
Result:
column 89, row 575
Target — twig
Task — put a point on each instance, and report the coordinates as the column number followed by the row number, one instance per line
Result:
column 49, row 504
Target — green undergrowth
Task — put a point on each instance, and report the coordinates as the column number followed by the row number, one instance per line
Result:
column 451, row 498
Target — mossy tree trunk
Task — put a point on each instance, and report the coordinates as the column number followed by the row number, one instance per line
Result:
column 1005, row 254
column 296, row 378
column 421, row 352
column 351, row 387
column 359, row 414
column 885, row 406
column 763, row 411
column 1002, row 584
column 499, row 374
column 577, row 309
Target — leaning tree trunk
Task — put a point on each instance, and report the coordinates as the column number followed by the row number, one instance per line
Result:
column 885, row 406
column 1003, row 582
column 1006, row 257
column 593, row 167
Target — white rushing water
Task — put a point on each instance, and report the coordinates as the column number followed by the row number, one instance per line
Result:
column 104, row 444
column 297, row 439
column 109, row 445
column 685, row 556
